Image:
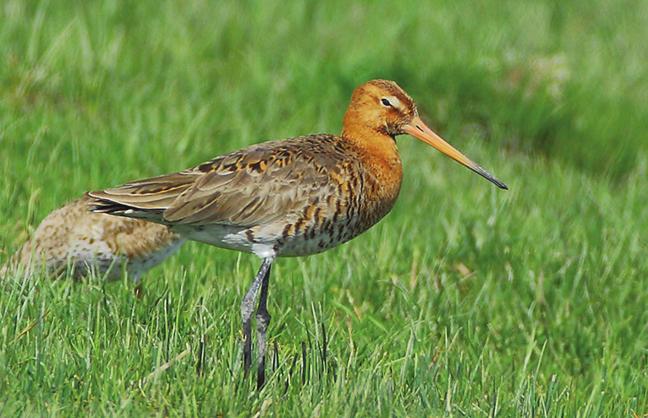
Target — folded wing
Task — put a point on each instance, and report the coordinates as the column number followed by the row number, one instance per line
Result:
column 253, row 186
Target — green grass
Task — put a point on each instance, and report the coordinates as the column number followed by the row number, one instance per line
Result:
column 464, row 301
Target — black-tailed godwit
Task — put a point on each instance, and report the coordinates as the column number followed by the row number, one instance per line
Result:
column 295, row 197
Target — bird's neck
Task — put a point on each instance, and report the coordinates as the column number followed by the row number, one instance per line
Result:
column 375, row 146
column 379, row 156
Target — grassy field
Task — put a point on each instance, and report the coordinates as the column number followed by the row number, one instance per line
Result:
column 464, row 301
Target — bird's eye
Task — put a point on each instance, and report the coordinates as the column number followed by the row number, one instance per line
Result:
column 385, row 102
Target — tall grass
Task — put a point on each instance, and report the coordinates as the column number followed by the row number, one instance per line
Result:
column 464, row 301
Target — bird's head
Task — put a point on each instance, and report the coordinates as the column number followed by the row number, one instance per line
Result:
column 382, row 106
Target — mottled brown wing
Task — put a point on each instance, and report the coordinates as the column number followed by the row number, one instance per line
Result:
column 254, row 186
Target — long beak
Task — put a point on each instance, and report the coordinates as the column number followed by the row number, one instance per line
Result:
column 419, row 130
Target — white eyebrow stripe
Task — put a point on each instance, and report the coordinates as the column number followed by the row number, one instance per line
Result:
column 394, row 101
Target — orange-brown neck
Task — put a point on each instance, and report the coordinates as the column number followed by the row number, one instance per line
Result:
column 379, row 155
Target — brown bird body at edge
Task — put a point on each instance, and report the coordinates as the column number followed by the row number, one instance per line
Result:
column 294, row 197
column 71, row 240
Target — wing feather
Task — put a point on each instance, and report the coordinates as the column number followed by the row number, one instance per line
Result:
column 253, row 186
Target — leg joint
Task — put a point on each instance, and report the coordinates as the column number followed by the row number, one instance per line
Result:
column 263, row 318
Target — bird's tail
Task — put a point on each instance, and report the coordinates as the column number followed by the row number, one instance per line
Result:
column 143, row 199
column 103, row 205
column 19, row 262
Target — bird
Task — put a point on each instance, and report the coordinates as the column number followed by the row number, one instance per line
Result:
column 291, row 197
column 75, row 240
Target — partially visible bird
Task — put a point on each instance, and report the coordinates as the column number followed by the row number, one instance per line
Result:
column 295, row 197
column 74, row 238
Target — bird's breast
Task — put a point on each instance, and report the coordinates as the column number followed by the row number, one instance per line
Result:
column 352, row 204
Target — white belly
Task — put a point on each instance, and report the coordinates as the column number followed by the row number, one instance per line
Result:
column 263, row 241
column 232, row 238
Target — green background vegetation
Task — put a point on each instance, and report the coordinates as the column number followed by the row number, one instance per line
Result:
column 464, row 301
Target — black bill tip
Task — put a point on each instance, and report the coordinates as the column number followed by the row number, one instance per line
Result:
column 488, row 176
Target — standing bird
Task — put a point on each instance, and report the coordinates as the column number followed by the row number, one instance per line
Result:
column 72, row 237
column 294, row 197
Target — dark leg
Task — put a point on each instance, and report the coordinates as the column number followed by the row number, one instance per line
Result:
column 247, row 307
column 263, row 320
column 139, row 288
column 139, row 291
